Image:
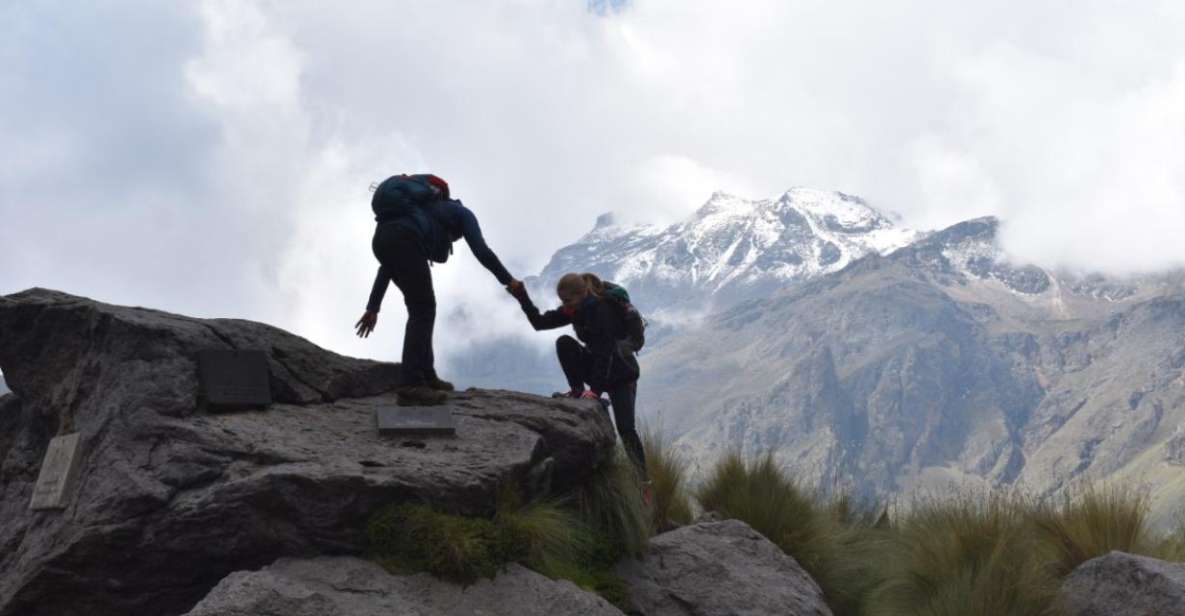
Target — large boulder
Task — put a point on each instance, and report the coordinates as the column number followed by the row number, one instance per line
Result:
column 344, row 586
column 171, row 498
column 1121, row 584
column 719, row 569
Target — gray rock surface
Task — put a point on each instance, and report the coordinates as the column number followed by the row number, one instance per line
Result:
column 720, row 569
column 171, row 499
column 344, row 586
column 1120, row 584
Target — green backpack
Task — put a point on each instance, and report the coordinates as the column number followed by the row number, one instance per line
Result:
column 635, row 325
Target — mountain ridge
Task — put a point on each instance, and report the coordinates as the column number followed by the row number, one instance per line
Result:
column 943, row 361
column 942, row 364
column 730, row 246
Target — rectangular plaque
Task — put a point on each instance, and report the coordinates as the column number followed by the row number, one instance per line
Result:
column 59, row 470
column 415, row 421
column 234, row 379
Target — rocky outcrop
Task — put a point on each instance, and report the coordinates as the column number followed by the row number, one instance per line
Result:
column 344, row 586
column 171, row 498
column 719, row 569
column 66, row 356
column 1120, row 584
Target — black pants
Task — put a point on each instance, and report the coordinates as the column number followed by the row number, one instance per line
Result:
column 577, row 363
column 398, row 249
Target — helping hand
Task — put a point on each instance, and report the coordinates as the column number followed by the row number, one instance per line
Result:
column 366, row 324
column 517, row 289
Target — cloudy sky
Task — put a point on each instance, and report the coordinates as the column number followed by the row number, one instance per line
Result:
column 212, row 158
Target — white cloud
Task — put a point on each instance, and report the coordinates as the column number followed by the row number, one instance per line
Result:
column 213, row 158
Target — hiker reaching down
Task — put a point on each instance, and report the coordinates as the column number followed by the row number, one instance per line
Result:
column 418, row 223
column 606, row 360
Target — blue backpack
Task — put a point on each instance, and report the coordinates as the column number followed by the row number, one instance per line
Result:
column 413, row 196
column 402, row 195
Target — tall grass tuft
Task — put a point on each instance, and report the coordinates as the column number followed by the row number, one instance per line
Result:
column 610, row 503
column 1091, row 523
column 759, row 494
column 849, row 552
column 544, row 536
column 834, row 540
column 548, row 536
column 413, row 537
column 971, row 556
column 579, row 536
column 671, row 505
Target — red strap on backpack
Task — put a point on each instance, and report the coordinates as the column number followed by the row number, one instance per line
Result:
column 439, row 184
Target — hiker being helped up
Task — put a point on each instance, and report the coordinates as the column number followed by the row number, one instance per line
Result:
column 611, row 331
column 418, row 223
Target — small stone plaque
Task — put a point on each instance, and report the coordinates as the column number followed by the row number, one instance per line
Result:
column 234, row 379
column 59, row 470
column 415, row 421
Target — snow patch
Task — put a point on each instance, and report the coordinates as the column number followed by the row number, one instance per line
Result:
column 732, row 240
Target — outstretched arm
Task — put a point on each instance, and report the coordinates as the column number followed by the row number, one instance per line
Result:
column 548, row 320
column 471, row 231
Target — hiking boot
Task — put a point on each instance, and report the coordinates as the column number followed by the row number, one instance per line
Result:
column 438, row 384
column 571, row 393
column 420, row 395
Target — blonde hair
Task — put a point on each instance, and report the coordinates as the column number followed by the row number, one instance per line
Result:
column 595, row 285
column 574, row 284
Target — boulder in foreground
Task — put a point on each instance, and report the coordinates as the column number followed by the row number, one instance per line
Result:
column 720, row 569
column 1121, row 584
column 344, row 586
column 170, row 499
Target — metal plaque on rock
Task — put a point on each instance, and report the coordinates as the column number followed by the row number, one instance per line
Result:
column 415, row 421
column 59, row 471
column 234, row 379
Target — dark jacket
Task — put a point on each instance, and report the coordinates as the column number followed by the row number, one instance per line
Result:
column 601, row 327
column 450, row 221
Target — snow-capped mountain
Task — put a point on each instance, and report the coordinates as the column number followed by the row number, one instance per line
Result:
column 943, row 364
column 729, row 250
column 881, row 360
column 732, row 248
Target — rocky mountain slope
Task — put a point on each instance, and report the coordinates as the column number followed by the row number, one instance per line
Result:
column 912, row 361
column 729, row 250
column 942, row 364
